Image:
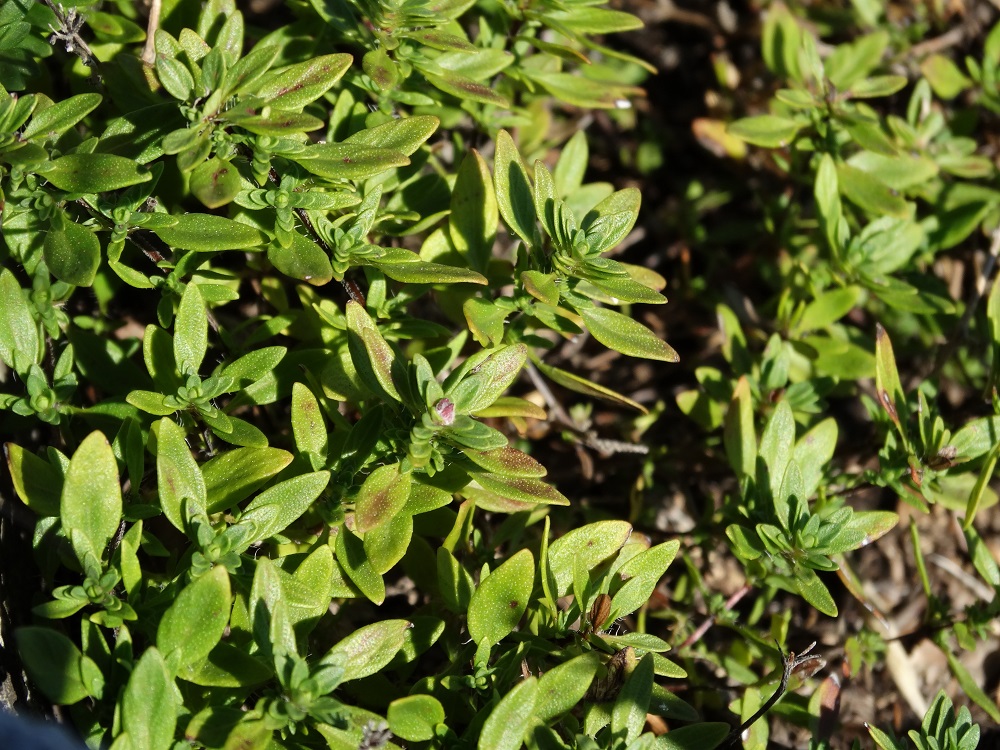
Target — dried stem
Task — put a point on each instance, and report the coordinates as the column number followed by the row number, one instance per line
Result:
column 790, row 662
column 731, row 602
column 149, row 51
column 68, row 33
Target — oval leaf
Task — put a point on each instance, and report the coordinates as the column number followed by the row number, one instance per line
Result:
column 94, row 173
column 365, row 651
column 500, row 601
column 414, row 717
column 91, row 503
column 194, row 623
column 72, row 253
column 382, row 496
column 178, row 477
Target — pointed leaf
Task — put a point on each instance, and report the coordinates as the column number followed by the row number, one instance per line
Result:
column 179, row 480
column 368, row 649
column 150, row 684
column 501, row 600
column 190, row 331
column 621, row 333
column 513, row 189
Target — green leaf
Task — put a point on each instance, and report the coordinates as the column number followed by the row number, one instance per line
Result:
column 488, row 380
column 348, row 161
column 297, row 85
column 216, row 182
column 307, row 591
column 869, row 193
column 515, row 198
column 867, row 133
column 175, row 77
column 35, row 481
column 382, row 496
column 72, row 253
column 739, row 436
column 371, row 354
column 422, row 272
column 18, row 331
column 368, row 649
column 887, row 385
column 52, row 122
column 308, row 427
column 151, row 402
column 245, row 75
column 454, row 582
column 465, row 88
column 351, row 556
column 54, row 664
column 472, row 224
column 899, row 171
column 610, row 221
column 769, row 131
column 180, row 482
column 91, row 502
column 976, row 438
column 588, row 20
column 508, row 462
column 404, row 135
column 629, row 713
column 227, row 666
column 621, row 333
column 273, row 122
column 704, row 736
column 150, row 685
column 387, row 544
column 982, row 558
column 94, row 173
column 303, row 259
column 585, row 92
column 561, row 688
column 828, row 307
column 193, row 624
column 814, row 591
column 521, row 489
column 877, row 86
column 485, row 320
column 970, row 686
column 254, row 365
column 381, row 69
column 415, row 717
column 595, row 543
column 851, row 62
column 978, row 490
column 776, row 444
column 641, row 574
column 277, row 507
column 501, row 599
column 813, row 451
column 944, row 76
column 745, row 542
column 190, row 331
column 869, row 525
column 507, row 723
column 208, row 233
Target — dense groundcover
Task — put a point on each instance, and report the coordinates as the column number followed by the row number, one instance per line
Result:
column 342, row 403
